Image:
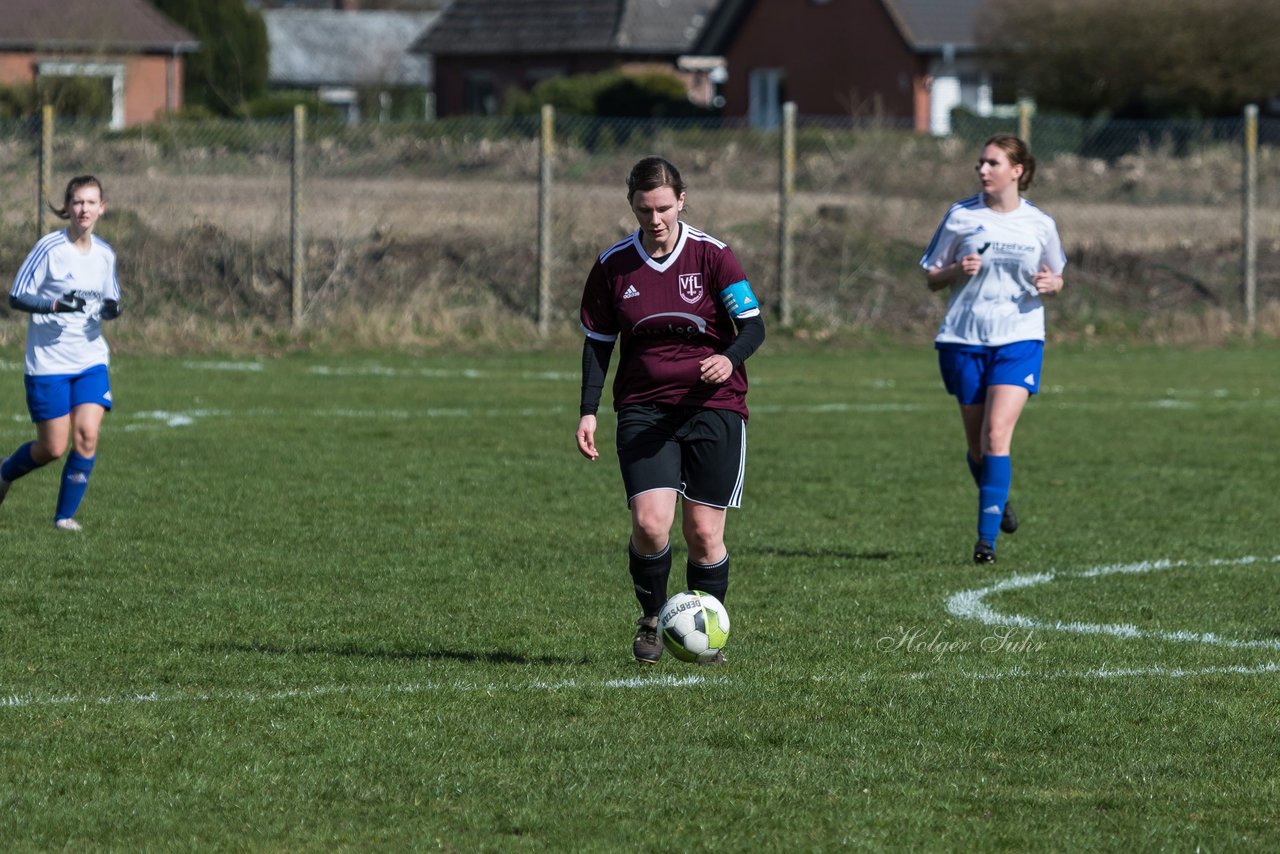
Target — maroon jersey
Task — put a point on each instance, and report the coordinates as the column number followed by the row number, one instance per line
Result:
column 669, row 316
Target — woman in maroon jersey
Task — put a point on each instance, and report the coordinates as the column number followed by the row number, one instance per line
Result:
column 678, row 301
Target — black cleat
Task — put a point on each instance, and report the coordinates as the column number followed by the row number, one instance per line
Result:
column 983, row 552
column 647, row 647
column 1009, row 521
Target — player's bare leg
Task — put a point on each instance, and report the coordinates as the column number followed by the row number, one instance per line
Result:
column 704, row 532
column 52, row 438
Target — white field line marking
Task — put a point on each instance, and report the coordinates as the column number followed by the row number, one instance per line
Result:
column 1164, row 404
column 840, row 408
column 22, row 701
column 159, row 418
column 252, row 367
column 1172, row 398
column 440, row 373
column 970, row 605
column 1104, row 672
column 156, row 419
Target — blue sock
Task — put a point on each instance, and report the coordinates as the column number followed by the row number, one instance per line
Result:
column 20, row 463
column 993, row 492
column 75, row 480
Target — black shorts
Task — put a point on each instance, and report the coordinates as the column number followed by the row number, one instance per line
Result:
column 700, row 453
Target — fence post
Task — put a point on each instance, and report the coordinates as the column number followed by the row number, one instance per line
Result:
column 45, row 180
column 1249, row 229
column 786, row 189
column 295, row 212
column 546, row 151
column 1025, row 108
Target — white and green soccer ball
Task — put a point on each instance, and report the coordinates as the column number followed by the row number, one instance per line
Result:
column 694, row 626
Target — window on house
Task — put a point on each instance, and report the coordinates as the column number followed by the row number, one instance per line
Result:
column 93, row 90
column 969, row 90
column 480, row 94
column 765, row 96
column 343, row 99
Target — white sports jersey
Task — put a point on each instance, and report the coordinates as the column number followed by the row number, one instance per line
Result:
column 72, row 342
column 998, row 305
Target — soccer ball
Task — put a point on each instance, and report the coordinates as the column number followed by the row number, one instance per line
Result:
column 694, row 626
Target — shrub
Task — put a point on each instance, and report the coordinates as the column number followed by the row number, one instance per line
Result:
column 574, row 95
column 277, row 105
column 616, row 94
column 77, row 97
column 17, row 102
column 648, row 95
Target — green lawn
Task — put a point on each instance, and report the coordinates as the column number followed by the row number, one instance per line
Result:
column 380, row 602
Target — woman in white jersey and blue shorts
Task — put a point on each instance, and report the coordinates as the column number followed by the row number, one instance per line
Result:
column 68, row 285
column 1000, row 255
column 679, row 305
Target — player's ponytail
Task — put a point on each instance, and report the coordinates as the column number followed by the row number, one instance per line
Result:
column 1019, row 154
column 652, row 173
column 74, row 184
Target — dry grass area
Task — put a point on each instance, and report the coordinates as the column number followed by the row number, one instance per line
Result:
column 339, row 209
column 437, row 243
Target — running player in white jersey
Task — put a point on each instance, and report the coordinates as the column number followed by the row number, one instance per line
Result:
column 678, row 303
column 1000, row 255
column 68, row 285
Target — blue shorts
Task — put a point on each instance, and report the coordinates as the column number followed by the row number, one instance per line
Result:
column 54, row 396
column 967, row 371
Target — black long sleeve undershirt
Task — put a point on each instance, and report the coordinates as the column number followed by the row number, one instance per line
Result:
column 750, row 337
column 31, row 304
column 595, row 365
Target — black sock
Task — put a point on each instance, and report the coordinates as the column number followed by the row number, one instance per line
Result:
column 712, row 579
column 649, row 576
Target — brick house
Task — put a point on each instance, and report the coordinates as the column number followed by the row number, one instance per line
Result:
column 909, row 61
column 482, row 48
column 132, row 47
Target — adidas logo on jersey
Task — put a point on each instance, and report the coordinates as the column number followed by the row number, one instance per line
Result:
column 631, row 292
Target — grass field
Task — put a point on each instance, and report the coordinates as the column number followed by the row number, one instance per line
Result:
column 379, row 602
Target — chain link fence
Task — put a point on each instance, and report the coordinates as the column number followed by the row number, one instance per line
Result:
column 432, row 231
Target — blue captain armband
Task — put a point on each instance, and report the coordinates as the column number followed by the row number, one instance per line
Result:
column 739, row 300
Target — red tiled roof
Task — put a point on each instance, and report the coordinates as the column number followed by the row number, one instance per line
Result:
column 92, row 25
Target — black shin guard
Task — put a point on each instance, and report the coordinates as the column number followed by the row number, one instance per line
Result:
column 649, row 576
column 712, row 579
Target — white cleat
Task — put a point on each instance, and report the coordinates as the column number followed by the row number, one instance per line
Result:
column 66, row 525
